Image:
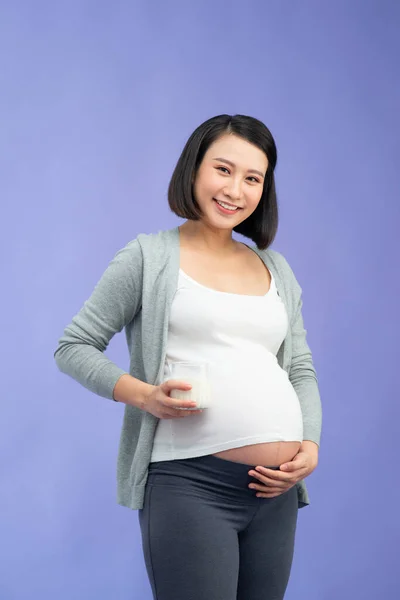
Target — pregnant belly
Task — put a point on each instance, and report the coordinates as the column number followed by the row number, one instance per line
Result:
column 270, row 454
column 280, row 410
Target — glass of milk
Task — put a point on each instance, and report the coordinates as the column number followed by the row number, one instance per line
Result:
column 197, row 375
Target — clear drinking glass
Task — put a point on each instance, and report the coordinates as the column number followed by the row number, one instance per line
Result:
column 197, row 374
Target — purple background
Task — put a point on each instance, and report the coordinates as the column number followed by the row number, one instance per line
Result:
column 97, row 101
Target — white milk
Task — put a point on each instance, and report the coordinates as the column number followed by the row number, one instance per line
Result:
column 200, row 393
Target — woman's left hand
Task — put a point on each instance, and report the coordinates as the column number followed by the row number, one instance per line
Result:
column 272, row 483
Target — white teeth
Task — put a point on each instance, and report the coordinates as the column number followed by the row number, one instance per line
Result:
column 227, row 206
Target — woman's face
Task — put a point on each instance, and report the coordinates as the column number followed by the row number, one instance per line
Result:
column 232, row 172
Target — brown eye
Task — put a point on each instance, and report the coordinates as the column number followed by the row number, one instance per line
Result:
column 223, row 168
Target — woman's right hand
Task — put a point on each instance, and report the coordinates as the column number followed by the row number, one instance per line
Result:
column 159, row 403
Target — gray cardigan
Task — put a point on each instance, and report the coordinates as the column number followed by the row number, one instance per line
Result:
column 135, row 292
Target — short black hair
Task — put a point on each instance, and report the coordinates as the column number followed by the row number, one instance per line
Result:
column 261, row 226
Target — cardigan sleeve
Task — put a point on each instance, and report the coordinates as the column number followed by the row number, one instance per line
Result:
column 303, row 377
column 302, row 373
column 114, row 302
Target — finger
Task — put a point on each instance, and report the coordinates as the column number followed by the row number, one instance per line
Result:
column 179, row 405
column 267, row 485
column 181, row 414
column 276, row 475
column 294, row 478
column 272, row 492
column 267, row 489
column 175, row 384
column 175, row 403
column 270, row 476
column 294, row 465
column 277, row 483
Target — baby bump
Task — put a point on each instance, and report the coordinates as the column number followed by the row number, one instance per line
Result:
column 267, row 454
column 259, row 403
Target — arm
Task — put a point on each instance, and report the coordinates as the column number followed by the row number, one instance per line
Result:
column 312, row 449
column 130, row 390
column 303, row 377
column 114, row 302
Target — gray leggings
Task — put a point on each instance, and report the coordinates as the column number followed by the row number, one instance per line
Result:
column 206, row 536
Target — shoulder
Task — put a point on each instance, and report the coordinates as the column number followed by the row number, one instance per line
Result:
column 157, row 241
column 149, row 252
column 279, row 261
column 145, row 242
column 277, row 258
column 131, row 251
column 283, row 268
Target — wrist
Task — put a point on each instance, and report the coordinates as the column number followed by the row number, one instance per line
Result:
column 310, row 448
column 132, row 391
column 143, row 394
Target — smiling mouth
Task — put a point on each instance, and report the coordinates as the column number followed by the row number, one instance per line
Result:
column 227, row 206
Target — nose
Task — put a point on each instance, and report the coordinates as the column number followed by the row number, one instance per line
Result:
column 233, row 189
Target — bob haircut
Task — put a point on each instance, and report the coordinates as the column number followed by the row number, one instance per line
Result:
column 261, row 226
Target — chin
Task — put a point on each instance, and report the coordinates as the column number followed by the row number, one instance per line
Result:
column 222, row 221
column 220, row 224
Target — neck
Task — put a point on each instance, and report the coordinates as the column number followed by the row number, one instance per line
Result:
column 204, row 237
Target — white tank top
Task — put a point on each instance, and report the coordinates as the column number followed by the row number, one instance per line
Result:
column 239, row 336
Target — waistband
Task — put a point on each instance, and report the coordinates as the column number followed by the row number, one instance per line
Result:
column 208, row 468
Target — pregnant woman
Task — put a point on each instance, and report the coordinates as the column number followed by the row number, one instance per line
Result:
column 217, row 490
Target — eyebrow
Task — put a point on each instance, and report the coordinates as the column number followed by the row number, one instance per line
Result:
column 228, row 162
